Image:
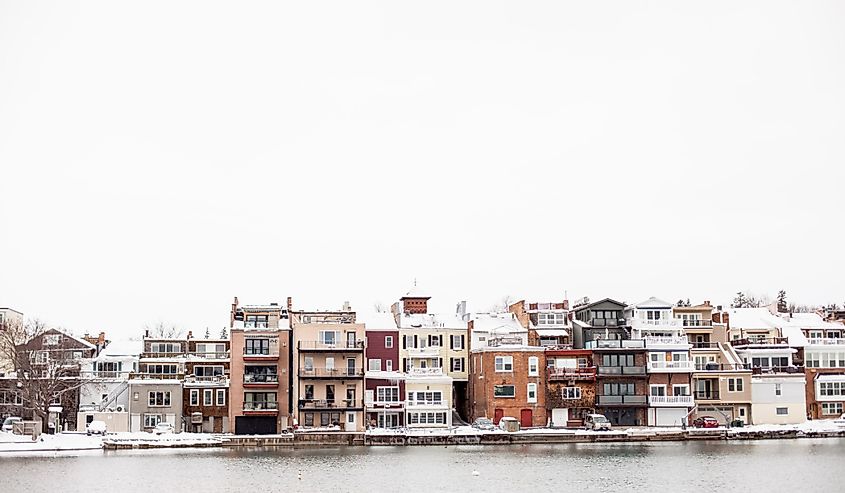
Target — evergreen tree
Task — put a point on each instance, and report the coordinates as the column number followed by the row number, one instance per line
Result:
column 688, row 303
column 782, row 305
column 740, row 301
column 207, row 333
column 224, row 334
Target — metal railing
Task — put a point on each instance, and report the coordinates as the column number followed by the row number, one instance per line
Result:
column 765, row 370
column 616, row 344
column 425, row 371
column 721, row 367
column 329, row 403
column 609, row 400
column 337, row 345
column 588, row 373
column 826, row 341
column 332, row 372
column 661, row 322
column 105, row 374
column 211, row 355
column 621, row 370
column 261, row 406
column 704, row 345
column 670, row 365
column 698, row 323
column 670, row 400
column 156, row 376
column 666, row 340
column 261, row 378
column 760, row 341
column 152, row 354
column 248, row 351
column 706, row 395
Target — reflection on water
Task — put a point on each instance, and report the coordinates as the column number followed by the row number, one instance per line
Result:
column 770, row 466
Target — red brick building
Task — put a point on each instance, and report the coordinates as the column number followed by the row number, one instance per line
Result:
column 508, row 380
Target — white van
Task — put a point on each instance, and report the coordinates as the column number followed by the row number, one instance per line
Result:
column 596, row 422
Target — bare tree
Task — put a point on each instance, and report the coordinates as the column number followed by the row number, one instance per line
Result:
column 42, row 377
column 163, row 331
column 380, row 307
column 503, row 304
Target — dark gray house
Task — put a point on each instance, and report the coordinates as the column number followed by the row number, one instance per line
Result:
column 598, row 320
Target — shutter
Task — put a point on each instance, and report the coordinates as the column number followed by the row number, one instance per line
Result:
column 462, row 342
column 404, row 343
column 415, row 341
column 451, row 363
column 428, row 338
column 440, row 339
column 463, row 364
column 440, row 360
column 451, row 342
column 405, row 365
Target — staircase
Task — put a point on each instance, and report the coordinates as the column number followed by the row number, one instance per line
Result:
column 112, row 397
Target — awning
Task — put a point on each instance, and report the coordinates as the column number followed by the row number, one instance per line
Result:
column 552, row 333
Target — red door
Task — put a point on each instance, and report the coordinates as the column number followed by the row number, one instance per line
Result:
column 526, row 418
column 497, row 416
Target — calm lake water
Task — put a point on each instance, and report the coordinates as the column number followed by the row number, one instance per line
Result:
column 770, row 466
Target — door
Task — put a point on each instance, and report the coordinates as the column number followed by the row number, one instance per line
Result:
column 526, row 418
column 350, row 339
column 560, row 416
column 350, row 367
column 497, row 415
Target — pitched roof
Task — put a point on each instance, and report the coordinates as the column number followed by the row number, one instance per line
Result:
column 652, row 302
column 594, row 303
column 415, row 292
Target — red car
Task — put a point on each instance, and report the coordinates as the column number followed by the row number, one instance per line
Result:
column 706, row 422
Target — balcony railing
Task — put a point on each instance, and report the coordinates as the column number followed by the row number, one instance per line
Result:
column 661, row 322
column 588, row 373
column 386, row 404
column 211, row 355
column 331, row 372
column 418, row 403
column 698, row 323
column 205, row 378
column 758, row 370
column 260, row 352
column 261, row 406
column 505, row 341
column 621, row 370
column 671, row 400
column 607, row 322
column 261, row 378
column 337, row 345
column 706, row 395
column 421, row 372
column 156, row 376
column 151, row 354
column 704, row 345
column 616, row 344
column 826, row 341
column 760, row 341
column 721, row 367
column 610, row 400
column 670, row 365
column 330, row 403
column 666, row 341
column 105, row 374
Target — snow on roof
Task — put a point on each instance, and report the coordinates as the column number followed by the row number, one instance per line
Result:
column 385, row 375
column 377, row 320
column 831, row 378
column 794, row 335
column 415, row 292
column 552, row 333
column 652, row 303
column 811, row 321
column 754, row 318
column 497, row 323
column 127, row 347
column 430, row 321
column 154, row 381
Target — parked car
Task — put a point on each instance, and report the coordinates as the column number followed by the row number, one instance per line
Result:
column 96, row 428
column 483, row 424
column 840, row 421
column 509, row 424
column 706, row 422
column 596, row 422
column 163, row 428
column 9, row 422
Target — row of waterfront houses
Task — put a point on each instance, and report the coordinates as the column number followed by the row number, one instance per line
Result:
column 543, row 363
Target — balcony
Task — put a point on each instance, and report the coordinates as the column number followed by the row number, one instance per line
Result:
column 330, row 346
column 654, row 324
column 431, row 403
column 331, row 404
column 670, row 401
column 704, row 345
column 666, row 341
column 698, row 323
column 616, row 344
column 424, row 352
column 118, row 375
column 706, row 395
column 769, row 370
column 760, row 341
column 826, row 341
column 385, row 404
column 722, row 367
column 206, row 355
column 271, row 406
column 620, row 400
column 258, row 379
column 621, row 370
column 161, row 355
column 205, row 379
column 331, row 373
column 425, row 372
column 257, row 354
column 588, row 373
column 607, row 322
column 156, row 376
column 670, row 366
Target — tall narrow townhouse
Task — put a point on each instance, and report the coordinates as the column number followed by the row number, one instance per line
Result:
column 260, row 397
column 384, row 397
column 206, row 388
column 823, row 348
column 105, row 387
column 570, row 386
column 432, row 343
column 329, row 363
column 721, row 381
column 778, row 393
column 548, row 323
column 669, row 367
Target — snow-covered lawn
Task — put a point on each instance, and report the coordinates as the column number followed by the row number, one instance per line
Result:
column 61, row 441
column 165, row 439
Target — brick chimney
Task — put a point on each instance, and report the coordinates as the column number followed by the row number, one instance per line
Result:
column 190, row 334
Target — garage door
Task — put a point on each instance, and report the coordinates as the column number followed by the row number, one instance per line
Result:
column 255, row 425
column 560, row 416
column 670, row 416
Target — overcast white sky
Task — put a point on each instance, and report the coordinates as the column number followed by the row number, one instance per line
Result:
column 159, row 158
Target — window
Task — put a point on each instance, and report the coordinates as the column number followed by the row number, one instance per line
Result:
column 457, row 364
column 350, row 418
column 428, row 398
column 374, row 364
column 328, row 337
column 159, row 399
column 195, row 397
column 41, row 357
column 208, row 372
column 533, row 366
column 680, row 390
column 617, row 360
column 619, row 389
column 387, row 394
column 221, row 397
column 778, row 389
column 257, row 346
column 834, row 408
column 457, row 342
column 388, row 342
column 657, row 390
column 735, row 385
column 151, row 420
column 207, row 397
column 832, row 389
column 782, row 411
column 257, row 401
column 256, row 321
column 388, row 365
column 165, row 347
column 52, row 339
column 504, row 391
column 162, row 369
column 571, row 393
column 532, row 392
column 504, row 363
column 309, row 419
